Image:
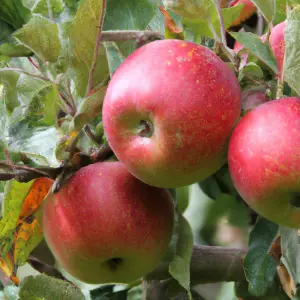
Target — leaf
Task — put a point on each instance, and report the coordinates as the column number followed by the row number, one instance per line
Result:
column 114, row 56
column 39, row 102
column 8, row 268
column 259, row 265
column 41, row 7
column 5, row 31
column 9, row 80
column 290, row 248
column 182, row 198
column 14, row 13
column 172, row 31
column 14, row 49
column 26, row 140
column 251, row 71
column 135, row 293
column 83, row 36
column 267, row 8
column 202, row 28
column 262, row 51
column 129, row 15
column 46, row 287
column 38, row 191
column 42, row 37
column 291, row 65
column 89, row 109
column 199, row 9
column 179, row 267
column 280, row 14
column 14, row 195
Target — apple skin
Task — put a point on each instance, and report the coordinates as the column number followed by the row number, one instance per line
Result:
column 278, row 45
column 190, row 101
column 104, row 213
column 264, row 160
column 247, row 11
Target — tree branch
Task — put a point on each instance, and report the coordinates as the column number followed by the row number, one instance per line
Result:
column 129, row 35
column 97, row 47
column 209, row 264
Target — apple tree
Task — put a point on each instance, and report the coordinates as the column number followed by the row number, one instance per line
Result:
column 149, row 149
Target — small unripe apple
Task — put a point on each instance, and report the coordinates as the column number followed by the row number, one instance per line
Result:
column 278, row 45
column 169, row 111
column 247, row 11
column 106, row 226
column 264, row 160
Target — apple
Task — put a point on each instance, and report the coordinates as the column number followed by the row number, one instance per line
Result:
column 106, row 226
column 264, row 160
column 169, row 111
column 247, row 11
column 278, row 46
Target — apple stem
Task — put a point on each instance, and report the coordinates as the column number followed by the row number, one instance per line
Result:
column 145, row 129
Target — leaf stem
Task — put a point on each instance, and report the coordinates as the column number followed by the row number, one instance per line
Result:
column 97, row 47
column 50, row 10
column 26, row 73
column 222, row 26
column 129, row 35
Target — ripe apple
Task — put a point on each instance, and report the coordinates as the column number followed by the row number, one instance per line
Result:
column 169, row 111
column 278, row 45
column 264, row 160
column 106, row 226
column 247, row 11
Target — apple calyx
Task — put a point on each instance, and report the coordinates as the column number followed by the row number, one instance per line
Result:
column 114, row 263
column 295, row 201
column 145, row 128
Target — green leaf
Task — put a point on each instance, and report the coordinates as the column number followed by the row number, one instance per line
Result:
column 251, row 71
column 290, row 248
column 280, row 14
column 129, row 15
column 179, row 267
column 202, row 28
column 42, row 37
column 46, row 287
column 14, row 195
column 14, row 13
column 24, row 139
column 89, row 109
column 291, row 65
column 267, row 8
column 262, row 51
column 83, row 38
column 9, row 80
column 259, row 265
column 39, row 101
column 14, row 49
column 114, row 56
column 5, row 31
column 135, row 293
column 182, row 198
column 199, row 9
column 41, row 7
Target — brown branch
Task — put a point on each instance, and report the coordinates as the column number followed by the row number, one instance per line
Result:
column 97, row 47
column 209, row 264
column 129, row 35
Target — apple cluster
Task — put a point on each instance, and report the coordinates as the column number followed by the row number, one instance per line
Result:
column 171, row 115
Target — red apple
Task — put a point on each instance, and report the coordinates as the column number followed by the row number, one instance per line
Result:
column 169, row 111
column 105, row 225
column 247, row 11
column 264, row 160
column 278, row 45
